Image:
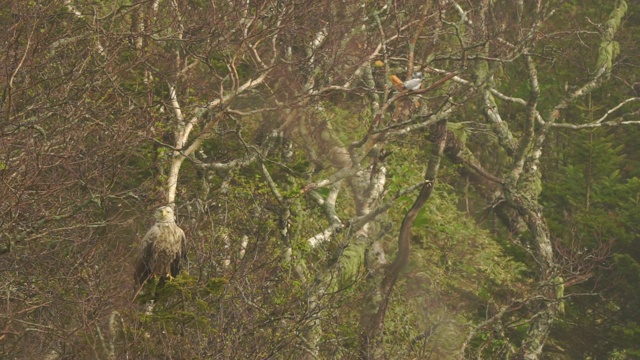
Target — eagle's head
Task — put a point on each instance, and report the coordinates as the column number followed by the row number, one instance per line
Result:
column 164, row 214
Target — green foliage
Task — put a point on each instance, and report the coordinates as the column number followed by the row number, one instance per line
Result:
column 591, row 207
column 459, row 130
column 88, row 128
column 454, row 265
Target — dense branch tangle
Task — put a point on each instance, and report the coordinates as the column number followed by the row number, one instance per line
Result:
column 291, row 161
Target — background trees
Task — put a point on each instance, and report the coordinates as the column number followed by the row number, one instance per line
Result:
column 291, row 161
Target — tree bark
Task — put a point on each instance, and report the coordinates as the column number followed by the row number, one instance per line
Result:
column 377, row 300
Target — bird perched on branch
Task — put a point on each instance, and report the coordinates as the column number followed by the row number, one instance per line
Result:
column 414, row 83
column 164, row 249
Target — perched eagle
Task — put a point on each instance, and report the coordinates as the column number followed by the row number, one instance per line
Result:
column 163, row 249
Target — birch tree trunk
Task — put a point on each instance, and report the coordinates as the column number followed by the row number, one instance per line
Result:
column 522, row 184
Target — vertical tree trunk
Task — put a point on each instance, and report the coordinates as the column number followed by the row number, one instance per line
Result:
column 377, row 298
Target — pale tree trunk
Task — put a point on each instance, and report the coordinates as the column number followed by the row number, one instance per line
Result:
column 382, row 278
column 526, row 200
column 367, row 189
column 185, row 143
column 522, row 183
column 365, row 184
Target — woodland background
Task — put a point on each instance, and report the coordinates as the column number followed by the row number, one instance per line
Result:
column 291, row 160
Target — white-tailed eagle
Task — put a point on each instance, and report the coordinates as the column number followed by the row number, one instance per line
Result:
column 164, row 249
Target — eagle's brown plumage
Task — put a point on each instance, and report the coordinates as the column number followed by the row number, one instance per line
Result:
column 163, row 249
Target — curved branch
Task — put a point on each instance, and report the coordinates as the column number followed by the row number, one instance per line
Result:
column 402, row 257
